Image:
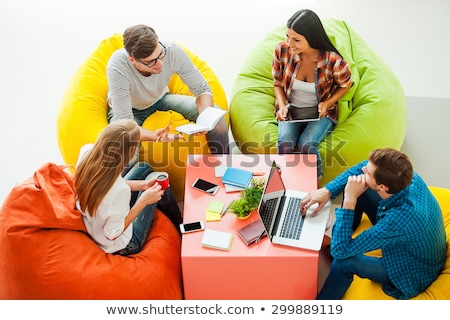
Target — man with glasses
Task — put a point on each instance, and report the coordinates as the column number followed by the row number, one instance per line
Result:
column 138, row 75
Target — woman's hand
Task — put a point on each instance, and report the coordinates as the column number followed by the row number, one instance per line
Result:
column 163, row 135
column 282, row 113
column 323, row 109
column 152, row 194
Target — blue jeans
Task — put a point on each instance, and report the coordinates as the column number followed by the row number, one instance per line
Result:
column 217, row 138
column 341, row 274
column 143, row 222
column 342, row 271
column 304, row 137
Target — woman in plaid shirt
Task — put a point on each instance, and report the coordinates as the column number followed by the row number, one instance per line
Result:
column 309, row 75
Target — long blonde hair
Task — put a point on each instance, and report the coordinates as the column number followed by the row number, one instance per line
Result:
column 101, row 166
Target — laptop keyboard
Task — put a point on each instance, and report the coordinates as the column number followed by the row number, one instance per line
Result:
column 293, row 220
column 269, row 211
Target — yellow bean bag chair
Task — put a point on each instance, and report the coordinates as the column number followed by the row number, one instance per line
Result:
column 82, row 115
column 364, row 289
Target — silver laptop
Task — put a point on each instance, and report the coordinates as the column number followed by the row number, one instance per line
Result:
column 279, row 210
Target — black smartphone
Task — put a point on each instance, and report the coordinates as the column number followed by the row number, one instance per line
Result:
column 205, row 186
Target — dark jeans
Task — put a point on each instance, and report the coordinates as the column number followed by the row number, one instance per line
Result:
column 143, row 222
column 342, row 271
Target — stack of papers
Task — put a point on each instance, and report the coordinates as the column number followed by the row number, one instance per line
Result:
column 217, row 239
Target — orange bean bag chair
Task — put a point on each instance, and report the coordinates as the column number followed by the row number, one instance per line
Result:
column 46, row 253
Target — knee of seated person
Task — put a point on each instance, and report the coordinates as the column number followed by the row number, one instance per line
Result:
column 286, row 147
column 143, row 165
column 309, row 147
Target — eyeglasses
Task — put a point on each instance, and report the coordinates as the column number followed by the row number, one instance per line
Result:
column 152, row 62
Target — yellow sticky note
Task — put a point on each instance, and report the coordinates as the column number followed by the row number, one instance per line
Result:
column 212, row 216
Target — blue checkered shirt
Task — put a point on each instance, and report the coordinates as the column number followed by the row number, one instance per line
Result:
column 409, row 230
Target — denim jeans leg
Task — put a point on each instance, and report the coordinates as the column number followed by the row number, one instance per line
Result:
column 366, row 203
column 342, row 271
column 218, row 140
column 288, row 134
column 312, row 135
column 141, row 228
column 168, row 205
column 139, row 171
column 183, row 104
column 142, row 223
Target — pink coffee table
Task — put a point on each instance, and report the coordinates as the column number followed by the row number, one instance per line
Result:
column 259, row 271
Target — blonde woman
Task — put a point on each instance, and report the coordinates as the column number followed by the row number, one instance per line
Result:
column 118, row 211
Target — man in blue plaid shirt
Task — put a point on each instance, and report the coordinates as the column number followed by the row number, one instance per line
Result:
column 407, row 226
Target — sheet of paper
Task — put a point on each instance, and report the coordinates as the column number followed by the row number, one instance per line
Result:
column 219, row 171
column 230, row 188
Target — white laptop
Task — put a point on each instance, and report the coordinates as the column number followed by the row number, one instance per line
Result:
column 279, row 210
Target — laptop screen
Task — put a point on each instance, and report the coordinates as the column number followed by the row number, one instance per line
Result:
column 274, row 191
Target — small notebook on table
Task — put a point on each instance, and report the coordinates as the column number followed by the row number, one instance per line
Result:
column 237, row 177
column 217, row 239
column 252, row 232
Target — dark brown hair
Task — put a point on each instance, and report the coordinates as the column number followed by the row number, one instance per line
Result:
column 393, row 169
column 308, row 24
column 140, row 41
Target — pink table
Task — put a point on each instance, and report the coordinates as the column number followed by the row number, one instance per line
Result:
column 259, row 271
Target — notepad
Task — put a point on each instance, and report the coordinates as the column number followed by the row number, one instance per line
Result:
column 237, row 177
column 214, row 211
column 217, row 239
column 252, row 232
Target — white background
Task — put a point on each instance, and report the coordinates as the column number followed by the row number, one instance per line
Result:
column 45, row 41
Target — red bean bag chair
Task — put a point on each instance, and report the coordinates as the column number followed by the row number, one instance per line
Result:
column 46, row 253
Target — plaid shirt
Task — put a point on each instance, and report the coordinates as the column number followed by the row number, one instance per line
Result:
column 332, row 71
column 409, row 230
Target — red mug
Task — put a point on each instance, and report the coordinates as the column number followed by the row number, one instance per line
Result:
column 162, row 178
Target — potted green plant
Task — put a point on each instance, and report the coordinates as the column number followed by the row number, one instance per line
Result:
column 248, row 200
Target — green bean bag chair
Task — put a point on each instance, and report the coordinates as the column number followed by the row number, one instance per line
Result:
column 372, row 114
